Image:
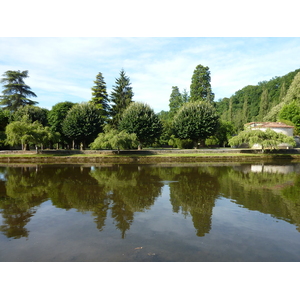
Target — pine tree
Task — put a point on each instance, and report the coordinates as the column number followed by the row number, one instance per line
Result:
column 120, row 97
column 15, row 91
column 100, row 96
column 200, row 86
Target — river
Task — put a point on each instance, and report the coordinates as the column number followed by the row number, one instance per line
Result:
column 192, row 212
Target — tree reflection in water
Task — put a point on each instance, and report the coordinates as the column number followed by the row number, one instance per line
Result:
column 120, row 191
column 195, row 192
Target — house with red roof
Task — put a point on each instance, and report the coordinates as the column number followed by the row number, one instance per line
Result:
column 276, row 126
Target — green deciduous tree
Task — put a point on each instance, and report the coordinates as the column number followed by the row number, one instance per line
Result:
column 200, row 88
column 267, row 139
column 120, row 97
column 16, row 92
column 100, row 96
column 196, row 121
column 140, row 119
column 56, row 117
column 82, row 123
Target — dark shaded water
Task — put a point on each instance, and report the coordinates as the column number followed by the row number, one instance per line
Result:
column 184, row 212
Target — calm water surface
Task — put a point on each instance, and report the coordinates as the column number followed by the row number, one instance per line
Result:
column 130, row 212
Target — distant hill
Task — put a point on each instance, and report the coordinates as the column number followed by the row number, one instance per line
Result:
column 254, row 102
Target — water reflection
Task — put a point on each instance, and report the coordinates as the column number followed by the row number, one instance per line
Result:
column 121, row 191
column 195, row 192
column 270, row 189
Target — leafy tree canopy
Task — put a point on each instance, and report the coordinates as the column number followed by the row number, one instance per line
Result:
column 196, row 121
column 140, row 119
column 57, row 115
column 82, row 123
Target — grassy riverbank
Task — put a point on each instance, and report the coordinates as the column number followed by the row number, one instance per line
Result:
column 203, row 155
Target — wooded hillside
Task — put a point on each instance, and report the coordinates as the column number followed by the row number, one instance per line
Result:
column 256, row 102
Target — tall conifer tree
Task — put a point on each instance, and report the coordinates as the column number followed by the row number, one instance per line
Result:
column 100, row 96
column 120, row 97
column 200, row 87
column 16, row 92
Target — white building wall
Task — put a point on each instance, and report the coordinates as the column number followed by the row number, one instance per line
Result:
column 286, row 131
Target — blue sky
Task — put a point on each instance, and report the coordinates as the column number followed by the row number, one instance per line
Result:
column 63, row 69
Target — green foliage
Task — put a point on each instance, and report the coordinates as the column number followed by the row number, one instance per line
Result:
column 264, row 104
column 267, row 139
column 140, row 119
column 5, row 117
column 120, row 97
column 292, row 95
column 176, row 101
column 196, row 121
column 184, row 143
column 291, row 112
column 113, row 139
column 57, row 115
column 181, row 144
column 16, row 92
column 82, row 123
column 100, row 96
column 225, row 132
column 200, row 87
column 26, row 133
column 34, row 113
column 166, row 128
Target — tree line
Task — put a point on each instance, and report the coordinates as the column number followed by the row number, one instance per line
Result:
column 116, row 121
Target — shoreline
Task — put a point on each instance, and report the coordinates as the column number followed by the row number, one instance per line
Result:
column 147, row 156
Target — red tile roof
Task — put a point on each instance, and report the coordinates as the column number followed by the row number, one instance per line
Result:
column 269, row 125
